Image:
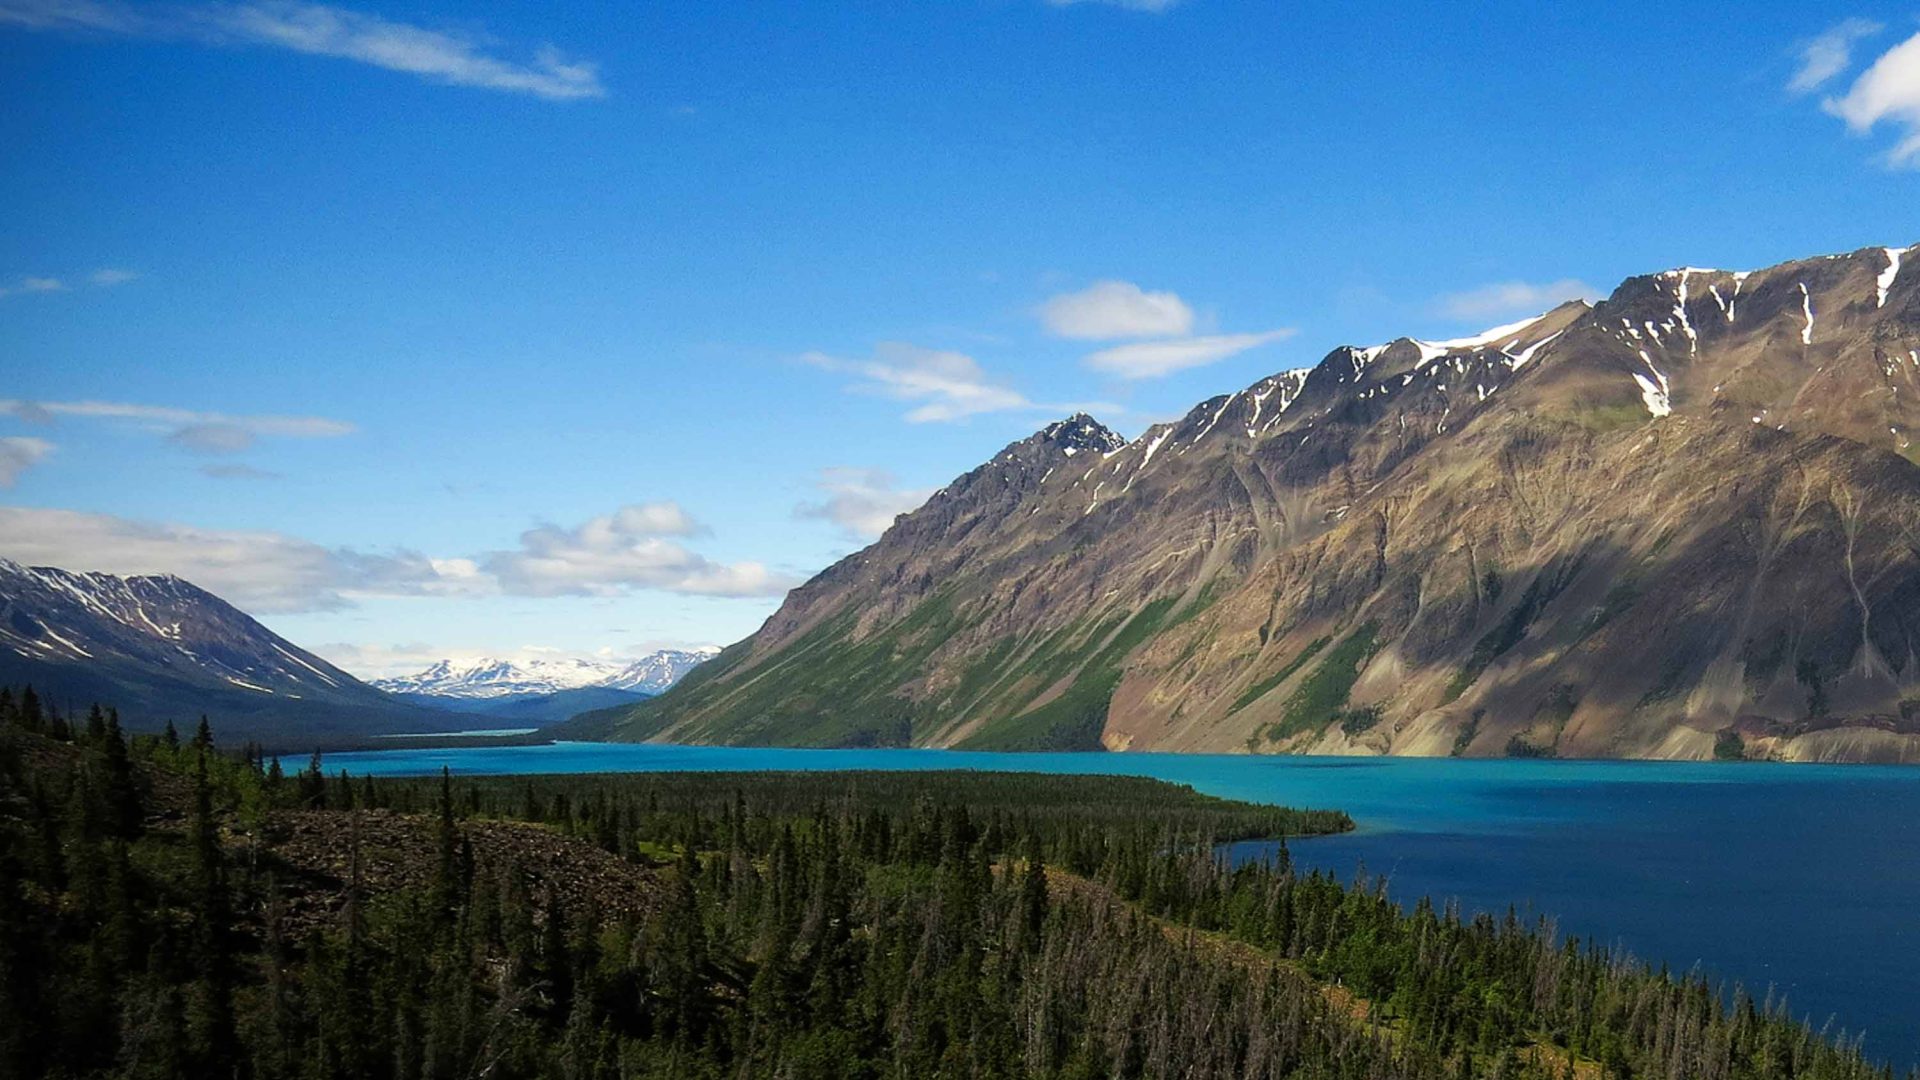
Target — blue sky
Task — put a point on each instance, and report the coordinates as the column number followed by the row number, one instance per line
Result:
column 436, row 329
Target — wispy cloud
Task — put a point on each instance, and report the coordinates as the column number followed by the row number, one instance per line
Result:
column 443, row 56
column 862, row 502
column 104, row 277
column 1116, row 309
column 234, row 471
column 944, row 385
column 1512, row 298
column 204, row 432
column 34, row 285
column 18, row 453
column 272, row 572
column 1152, row 359
column 262, row 572
column 1829, row 54
column 1887, row 91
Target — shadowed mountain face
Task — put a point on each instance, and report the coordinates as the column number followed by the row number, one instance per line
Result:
column 161, row 649
column 1684, row 521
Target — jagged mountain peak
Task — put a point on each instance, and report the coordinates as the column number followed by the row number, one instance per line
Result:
column 1080, row 432
column 1670, row 522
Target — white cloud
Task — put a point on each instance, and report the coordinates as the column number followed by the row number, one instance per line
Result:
column 261, row 572
column 1829, row 54
column 268, row 572
column 18, row 453
column 627, row 549
column 862, row 502
column 42, row 284
column 946, row 385
column 1152, row 359
column 205, row 432
column 442, row 56
column 1116, row 309
column 387, row 661
column 1512, row 298
column 1889, row 91
column 107, row 276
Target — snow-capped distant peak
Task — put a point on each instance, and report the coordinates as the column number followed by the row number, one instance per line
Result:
column 493, row 677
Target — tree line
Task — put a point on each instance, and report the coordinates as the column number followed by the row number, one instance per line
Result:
column 156, row 921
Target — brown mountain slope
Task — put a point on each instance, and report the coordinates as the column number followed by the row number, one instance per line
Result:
column 1682, row 521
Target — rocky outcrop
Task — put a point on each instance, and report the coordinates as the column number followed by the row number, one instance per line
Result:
column 1682, row 522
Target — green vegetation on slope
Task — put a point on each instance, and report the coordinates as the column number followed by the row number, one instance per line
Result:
column 822, row 689
column 1321, row 698
column 1504, row 636
column 169, row 912
column 1074, row 719
column 1265, row 686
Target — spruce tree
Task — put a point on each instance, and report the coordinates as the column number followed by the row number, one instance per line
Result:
column 122, row 793
column 212, row 1022
column 32, row 717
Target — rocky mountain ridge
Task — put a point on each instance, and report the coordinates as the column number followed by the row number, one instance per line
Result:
column 1681, row 522
column 161, row 648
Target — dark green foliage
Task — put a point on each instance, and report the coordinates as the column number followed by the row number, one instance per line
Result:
column 1520, row 747
column 1264, row 686
column 1464, row 738
column 1619, row 598
column 796, row 925
column 1357, row 721
column 1320, row 698
column 1808, row 674
column 1729, row 746
column 1061, row 811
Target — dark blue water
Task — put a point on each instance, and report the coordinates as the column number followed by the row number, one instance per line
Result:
column 1803, row 878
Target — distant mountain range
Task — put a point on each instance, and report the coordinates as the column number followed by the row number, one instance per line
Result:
column 1683, row 522
column 160, row 649
column 542, row 691
column 487, row 678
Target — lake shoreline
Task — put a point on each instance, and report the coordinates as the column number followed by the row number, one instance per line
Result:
column 1681, row 862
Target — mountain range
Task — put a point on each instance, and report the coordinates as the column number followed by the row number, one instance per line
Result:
column 1682, row 522
column 542, row 690
column 488, row 677
column 160, row 648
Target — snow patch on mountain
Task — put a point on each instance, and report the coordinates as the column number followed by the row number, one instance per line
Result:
column 492, row 677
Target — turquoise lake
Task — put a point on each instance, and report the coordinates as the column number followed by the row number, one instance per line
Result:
column 1803, row 878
